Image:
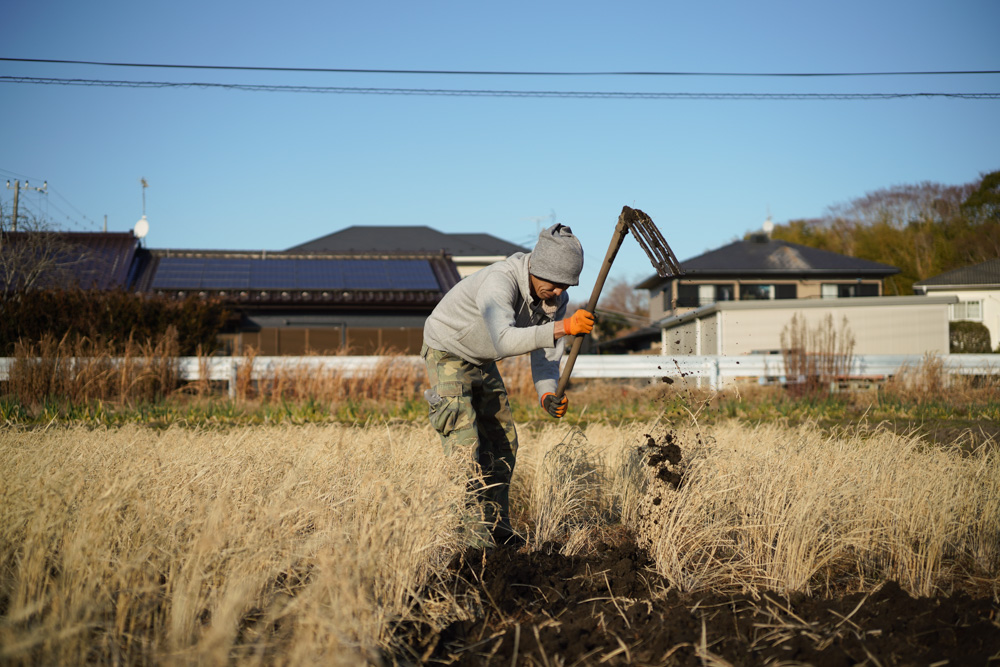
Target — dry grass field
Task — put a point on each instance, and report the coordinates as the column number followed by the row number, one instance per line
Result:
column 337, row 544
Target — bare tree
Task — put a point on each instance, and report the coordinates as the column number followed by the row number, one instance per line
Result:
column 622, row 308
column 816, row 356
column 36, row 255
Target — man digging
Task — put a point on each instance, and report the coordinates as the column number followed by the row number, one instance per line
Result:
column 515, row 306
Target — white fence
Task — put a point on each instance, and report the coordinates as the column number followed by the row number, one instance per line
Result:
column 711, row 371
column 718, row 371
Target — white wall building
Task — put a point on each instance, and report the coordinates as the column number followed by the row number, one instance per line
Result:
column 977, row 290
column 880, row 325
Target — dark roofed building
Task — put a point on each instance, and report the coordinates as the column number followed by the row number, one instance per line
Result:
column 470, row 252
column 762, row 268
column 978, row 290
column 90, row 260
column 312, row 302
column 984, row 273
column 284, row 303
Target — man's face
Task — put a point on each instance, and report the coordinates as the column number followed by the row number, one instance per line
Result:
column 543, row 289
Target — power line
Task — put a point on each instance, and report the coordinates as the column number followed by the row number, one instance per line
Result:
column 14, row 174
column 341, row 90
column 346, row 70
column 70, row 204
column 36, row 210
column 48, row 203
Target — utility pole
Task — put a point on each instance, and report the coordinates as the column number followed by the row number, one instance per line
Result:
column 17, row 190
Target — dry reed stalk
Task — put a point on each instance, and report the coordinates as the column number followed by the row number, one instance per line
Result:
column 309, row 544
column 80, row 370
column 135, row 546
column 919, row 384
column 816, row 356
column 774, row 508
column 564, row 488
column 394, row 378
column 244, row 375
column 567, row 488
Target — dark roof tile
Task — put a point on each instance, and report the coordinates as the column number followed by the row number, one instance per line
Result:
column 771, row 257
column 984, row 273
column 407, row 239
column 91, row 260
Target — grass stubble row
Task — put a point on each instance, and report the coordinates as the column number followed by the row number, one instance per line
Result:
column 305, row 544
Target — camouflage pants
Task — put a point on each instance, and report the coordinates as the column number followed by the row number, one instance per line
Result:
column 469, row 409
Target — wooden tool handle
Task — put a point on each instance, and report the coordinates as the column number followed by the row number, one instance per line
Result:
column 621, row 229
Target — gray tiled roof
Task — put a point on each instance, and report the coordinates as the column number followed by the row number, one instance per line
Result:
column 984, row 273
column 753, row 258
column 407, row 239
column 90, row 260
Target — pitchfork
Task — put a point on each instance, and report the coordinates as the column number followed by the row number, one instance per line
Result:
column 649, row 237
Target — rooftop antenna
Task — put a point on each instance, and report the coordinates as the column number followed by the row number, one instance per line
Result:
column 768, row 226
column 538, row 219
column 142, row 227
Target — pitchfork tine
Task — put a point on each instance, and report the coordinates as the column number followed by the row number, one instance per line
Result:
column 653, row 243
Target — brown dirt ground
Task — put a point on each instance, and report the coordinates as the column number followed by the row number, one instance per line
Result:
column 608, row 607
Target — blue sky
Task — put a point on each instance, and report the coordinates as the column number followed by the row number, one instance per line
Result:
column 265, row 170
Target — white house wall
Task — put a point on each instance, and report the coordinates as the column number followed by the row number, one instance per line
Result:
column 709, row 334
column 990, row 299
column 896, row 329
column 683, row 339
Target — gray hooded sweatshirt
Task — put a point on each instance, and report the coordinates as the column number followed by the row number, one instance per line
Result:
column 491, row 315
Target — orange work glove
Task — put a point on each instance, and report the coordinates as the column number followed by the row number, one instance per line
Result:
column 581, row 322
column 555, row 407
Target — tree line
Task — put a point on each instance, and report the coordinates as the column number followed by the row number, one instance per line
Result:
column 923, row 230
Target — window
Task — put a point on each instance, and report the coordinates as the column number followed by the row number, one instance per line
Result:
column 692, row 296
column 724, row 292
column 967, row 310
column 756, row 292
column 706, row 294
column 687, row 296
column 848, row 290
column 786, row 291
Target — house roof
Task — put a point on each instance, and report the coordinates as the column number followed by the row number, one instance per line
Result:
column 91, row 260
column 407, row 239
column 980, row 275
column 768, row 258
column 306, row 278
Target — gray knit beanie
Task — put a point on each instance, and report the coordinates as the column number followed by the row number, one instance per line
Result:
column 558, row 256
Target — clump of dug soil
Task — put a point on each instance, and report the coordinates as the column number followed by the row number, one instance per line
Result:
column 664, row 468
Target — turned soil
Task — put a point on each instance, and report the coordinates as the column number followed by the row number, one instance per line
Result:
column 609, row 607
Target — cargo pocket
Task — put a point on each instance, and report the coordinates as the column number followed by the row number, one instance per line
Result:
column 445, row 405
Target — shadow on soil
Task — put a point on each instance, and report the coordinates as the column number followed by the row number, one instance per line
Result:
column 609, row 607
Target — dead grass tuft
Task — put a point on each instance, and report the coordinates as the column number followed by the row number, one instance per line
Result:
column 311, row 544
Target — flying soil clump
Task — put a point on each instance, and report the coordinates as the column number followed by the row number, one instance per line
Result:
column 664, row 469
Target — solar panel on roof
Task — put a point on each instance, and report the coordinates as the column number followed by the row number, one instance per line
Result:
column 223, row 273
column 178, row 273
column 415, row 274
